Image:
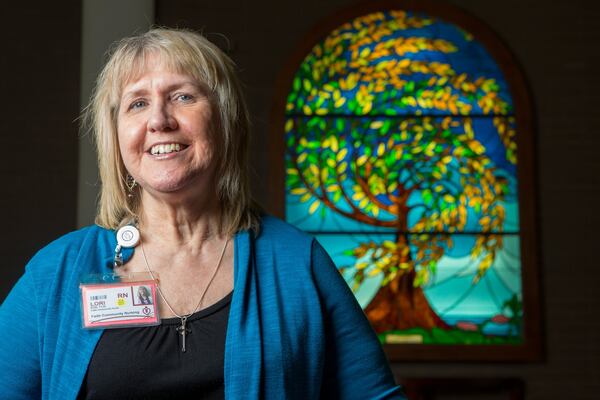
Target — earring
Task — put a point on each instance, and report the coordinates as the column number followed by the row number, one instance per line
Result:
column 131, row 184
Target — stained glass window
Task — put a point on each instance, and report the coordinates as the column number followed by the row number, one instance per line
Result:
column 401, row 159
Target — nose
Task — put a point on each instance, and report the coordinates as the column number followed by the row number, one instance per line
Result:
column 161, row 119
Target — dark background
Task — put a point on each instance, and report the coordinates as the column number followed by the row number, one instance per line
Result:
column 39, row 102
column 556, row 44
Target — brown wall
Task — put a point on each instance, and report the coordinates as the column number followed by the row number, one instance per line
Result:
column 39, row 98
column 556, row 44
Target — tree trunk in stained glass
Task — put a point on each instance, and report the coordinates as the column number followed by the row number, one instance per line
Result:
column 401, row 305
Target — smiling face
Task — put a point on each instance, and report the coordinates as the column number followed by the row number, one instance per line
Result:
column 165, row 128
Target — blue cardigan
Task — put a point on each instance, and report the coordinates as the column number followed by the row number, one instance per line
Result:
column 295, row 330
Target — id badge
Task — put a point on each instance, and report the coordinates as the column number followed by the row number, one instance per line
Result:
column 111, row 301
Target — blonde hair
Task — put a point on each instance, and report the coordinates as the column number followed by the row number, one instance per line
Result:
column 191, row 54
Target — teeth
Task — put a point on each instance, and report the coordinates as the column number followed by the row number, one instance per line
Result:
column 165, row 148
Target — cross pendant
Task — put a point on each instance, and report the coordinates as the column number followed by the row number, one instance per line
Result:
column 183, row 331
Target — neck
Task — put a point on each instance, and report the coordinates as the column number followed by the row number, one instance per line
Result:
column 181, row 222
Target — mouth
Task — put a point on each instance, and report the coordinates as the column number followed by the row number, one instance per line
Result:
column 166, row 148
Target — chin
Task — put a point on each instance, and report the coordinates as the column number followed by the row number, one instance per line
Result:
column 167, row 187
column 176, row 186
column 191, row 182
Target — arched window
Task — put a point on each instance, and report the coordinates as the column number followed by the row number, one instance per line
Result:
column 407, row 150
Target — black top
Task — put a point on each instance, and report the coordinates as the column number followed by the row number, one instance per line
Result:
column 147, row 362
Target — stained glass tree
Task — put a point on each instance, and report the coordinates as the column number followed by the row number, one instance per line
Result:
column 400, row 134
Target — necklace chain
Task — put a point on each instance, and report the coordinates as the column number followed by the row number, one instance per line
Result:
column 212, row 277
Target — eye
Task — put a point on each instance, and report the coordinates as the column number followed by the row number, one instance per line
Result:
column 137, row 104
column 184, row 97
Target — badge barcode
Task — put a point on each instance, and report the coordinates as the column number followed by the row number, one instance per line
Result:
column 103, row 297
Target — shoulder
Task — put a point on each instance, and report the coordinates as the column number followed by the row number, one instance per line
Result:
column 273, row 227
column 282, row 237
column 270, row 225
column 280, row 247
column 69, row 246
column 288, row 245
column 53, row 273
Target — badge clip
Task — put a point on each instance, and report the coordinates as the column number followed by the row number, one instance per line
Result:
column 127, row 236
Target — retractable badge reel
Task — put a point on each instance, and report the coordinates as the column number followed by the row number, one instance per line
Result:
column 127, row 237
column 117, row 300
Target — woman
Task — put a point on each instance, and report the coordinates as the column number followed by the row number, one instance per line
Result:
column 144, row 296
column 251, row 307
